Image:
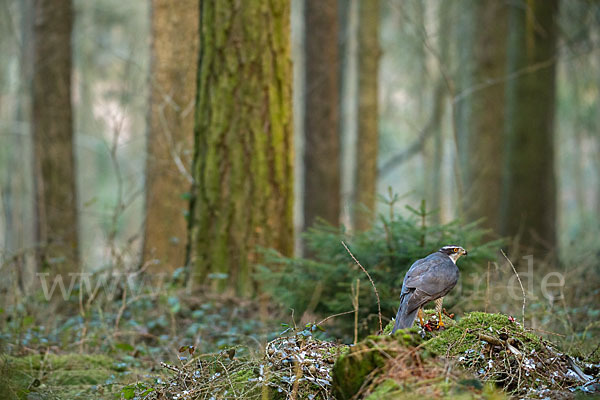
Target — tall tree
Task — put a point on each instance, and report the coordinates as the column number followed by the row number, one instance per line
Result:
column 52, row 115
column 483, row 146
column 445, row 14
column 18, row 190
column 529, row 200
column 369, row 51
column 171, row 126
column 321, row 113
column 243, row 172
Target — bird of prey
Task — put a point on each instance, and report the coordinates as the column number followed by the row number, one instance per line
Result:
column 428, row 279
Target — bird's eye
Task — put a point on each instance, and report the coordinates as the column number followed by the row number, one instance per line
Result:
column 456, row 250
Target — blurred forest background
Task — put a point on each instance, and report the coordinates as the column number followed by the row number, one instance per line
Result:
column 198, row 141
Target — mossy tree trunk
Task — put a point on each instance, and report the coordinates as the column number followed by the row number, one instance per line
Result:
column 174, row 64
column 485, row 99
column 529, row 200
column 365, row 187
column 321, row 113
column 52, row 115
column 243, row 162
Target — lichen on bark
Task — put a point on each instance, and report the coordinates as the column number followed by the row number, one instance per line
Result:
column 243, row 175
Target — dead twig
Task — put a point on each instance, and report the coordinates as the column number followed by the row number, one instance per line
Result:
column 520, row 283
column 491, row 340
column 355, row 305
column 487, row 289
column 294, row 320
column 334, row 315
column 372, row 284
column 121, row 309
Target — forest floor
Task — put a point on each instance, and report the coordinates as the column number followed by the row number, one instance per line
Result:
column 66, row 376
column 177, row 344
column 96, row 349
column 482, row 356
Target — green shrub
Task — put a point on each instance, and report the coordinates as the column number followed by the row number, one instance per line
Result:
column 323, row 284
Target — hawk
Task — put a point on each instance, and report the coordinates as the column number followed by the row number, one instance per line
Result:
column 428, row 279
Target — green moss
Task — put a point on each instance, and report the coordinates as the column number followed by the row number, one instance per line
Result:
column 351, row 369
column 64, row 361
column 497, row 348
column 452, row 388
column 254, row 70
column 60, row 376
column 239, row 381
column 478, row 342
column 408, row 337
column 463, row 335
column 389, row 389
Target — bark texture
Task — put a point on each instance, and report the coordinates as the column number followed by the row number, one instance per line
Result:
column 529, row 210
column 321, row 113
column 55, row 191
column 243, row 170
column 440, row 97
column 365, row 188
column 175, row 39
column 485, row 98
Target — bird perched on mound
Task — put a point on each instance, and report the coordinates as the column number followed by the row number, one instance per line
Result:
column 428, row 279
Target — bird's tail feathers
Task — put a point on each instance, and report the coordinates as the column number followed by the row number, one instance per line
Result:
column 404, row 319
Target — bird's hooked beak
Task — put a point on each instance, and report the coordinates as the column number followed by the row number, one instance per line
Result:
column 466, row 253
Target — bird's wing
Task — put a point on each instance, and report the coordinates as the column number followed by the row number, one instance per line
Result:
column 420, row 269
column 428, row 279
column 417, row 299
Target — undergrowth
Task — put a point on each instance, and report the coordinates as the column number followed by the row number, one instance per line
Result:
column 129, row 326
column 294, row 365
column 322, row 284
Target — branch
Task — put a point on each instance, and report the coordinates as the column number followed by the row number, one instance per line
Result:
column 372, row 284
column 333, row 316
column 417, row 146
column 520, row 283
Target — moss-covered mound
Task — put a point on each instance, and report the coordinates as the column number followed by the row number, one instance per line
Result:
column 460, row 336
column 497, row 349
column 400, row 366
column 67, row 376
column 491, row 348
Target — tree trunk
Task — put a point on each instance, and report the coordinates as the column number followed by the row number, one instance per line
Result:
column 462, row 110
column 529, row 200
column 321, row 114
column 440, row 97
column 485, row 99
column 55, row 192
column 243, row 171
column 365, row 188
column 171, row 127
column 19, row 163
column 348, row 11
